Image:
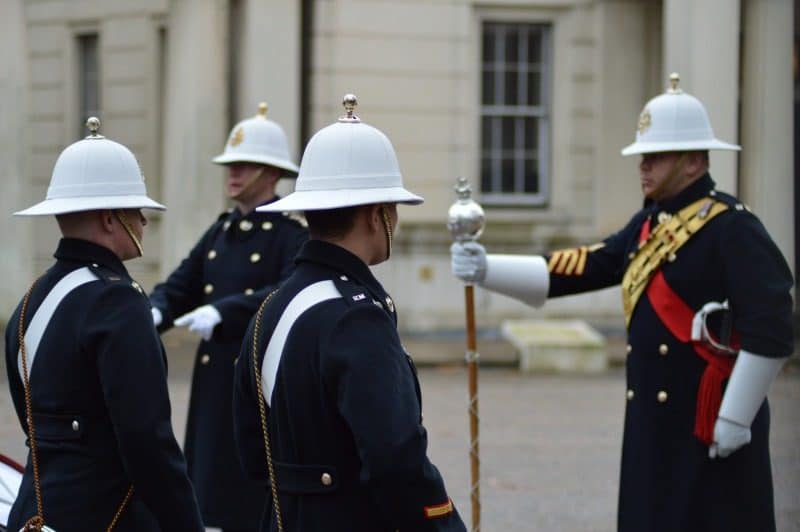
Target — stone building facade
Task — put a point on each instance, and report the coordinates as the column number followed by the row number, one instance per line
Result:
column 531, row 100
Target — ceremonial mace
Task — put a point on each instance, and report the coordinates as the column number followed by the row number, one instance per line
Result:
column 465, row 220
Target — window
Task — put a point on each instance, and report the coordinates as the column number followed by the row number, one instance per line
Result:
column 515, row 113
column 88, row 80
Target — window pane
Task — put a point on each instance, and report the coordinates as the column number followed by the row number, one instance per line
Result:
column 531, row 134
column 486, row 133
column 511, row 88
column 508, row 175
column 512, row 45
column 488, row 87
column 531, row 176
column 88, row 79
column 508, row 134
column 535, row 46
column 488, row 44
column 486, row 174
column 534, row 88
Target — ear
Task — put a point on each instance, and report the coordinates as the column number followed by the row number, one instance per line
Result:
column 272, row 174
column 695, row 163
column 106, row 220
column 371, row 216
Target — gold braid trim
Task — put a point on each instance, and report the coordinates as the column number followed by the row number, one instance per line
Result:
column 661, row 246
column 262, row 410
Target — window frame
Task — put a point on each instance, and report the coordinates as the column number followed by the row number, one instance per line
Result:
column 543, row 112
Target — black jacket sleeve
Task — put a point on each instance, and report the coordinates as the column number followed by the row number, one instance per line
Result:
column 587, row 268
column 132, row 373
column 183, row 289
column 758, row 282
column 376, row 395
column 247, row 431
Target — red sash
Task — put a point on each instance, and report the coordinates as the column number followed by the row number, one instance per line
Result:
column 677, row 317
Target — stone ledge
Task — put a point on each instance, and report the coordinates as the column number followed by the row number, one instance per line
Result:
column 562, row 346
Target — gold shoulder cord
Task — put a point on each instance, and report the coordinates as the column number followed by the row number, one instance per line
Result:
column 262, row 410
column 36, row 523
column 661, row 246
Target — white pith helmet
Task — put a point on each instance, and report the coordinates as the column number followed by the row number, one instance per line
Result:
column 675, row 121
column 258, row 140
column 345, row 164
column 91, row 174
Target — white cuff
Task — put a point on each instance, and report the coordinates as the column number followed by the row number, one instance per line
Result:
column 748, row 386
column 523, row 277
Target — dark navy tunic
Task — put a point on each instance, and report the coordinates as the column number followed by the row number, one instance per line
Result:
column 234, row 265
column 668, row 483
column 346, row 403
column 101, row 407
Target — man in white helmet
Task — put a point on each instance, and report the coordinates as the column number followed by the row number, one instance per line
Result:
column 91, row 370
column 332, row 387
column 706, row 295
column 214, row 292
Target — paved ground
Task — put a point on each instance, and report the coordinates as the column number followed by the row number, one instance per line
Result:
column 549, row 444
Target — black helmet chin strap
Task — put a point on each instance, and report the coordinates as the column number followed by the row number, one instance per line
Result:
column 128, row 229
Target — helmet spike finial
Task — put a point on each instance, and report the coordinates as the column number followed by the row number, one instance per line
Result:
column 674, row 81
column 262, row 110
column 93, row 124
column 349, row 101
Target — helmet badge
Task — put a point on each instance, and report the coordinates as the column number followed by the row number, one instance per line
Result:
column 645, row 121
column 237, row 137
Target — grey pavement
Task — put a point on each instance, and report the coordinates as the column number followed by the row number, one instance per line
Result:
column 549, row 444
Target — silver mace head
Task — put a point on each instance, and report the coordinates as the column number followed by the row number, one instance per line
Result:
column 465, row 218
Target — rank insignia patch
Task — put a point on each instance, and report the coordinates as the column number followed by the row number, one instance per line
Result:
column 438, row 510
column 571, row 261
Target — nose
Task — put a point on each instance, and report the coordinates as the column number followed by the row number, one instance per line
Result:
column 234, row 170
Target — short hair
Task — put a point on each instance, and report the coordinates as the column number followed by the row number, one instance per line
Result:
column 331, row 223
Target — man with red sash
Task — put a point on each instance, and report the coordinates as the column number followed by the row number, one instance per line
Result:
column 706, row 295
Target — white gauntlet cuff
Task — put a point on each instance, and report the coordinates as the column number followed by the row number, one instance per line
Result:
column 523, row 277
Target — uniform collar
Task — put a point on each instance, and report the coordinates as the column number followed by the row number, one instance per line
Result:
column 338, row 258
column 236, row 214
column 86, row 252
column 690, row 194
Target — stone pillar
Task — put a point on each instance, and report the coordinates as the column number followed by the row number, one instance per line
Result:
column 626, row 54
column 16, row 260
column 701, row 43
column 196, row 128
column 767, row 180
column 270, row 68
column 270, row 64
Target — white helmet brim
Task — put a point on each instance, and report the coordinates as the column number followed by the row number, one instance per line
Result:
column 693, row 145
column 290, row 168
column 91, row 203
column 317, row 200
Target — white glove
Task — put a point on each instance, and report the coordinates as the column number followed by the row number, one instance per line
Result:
column 157, row 317
column 750, row 380
column 201, row 320
column 728, row 437
column 468, row 261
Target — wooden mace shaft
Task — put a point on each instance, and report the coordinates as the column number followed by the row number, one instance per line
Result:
column 472, row 375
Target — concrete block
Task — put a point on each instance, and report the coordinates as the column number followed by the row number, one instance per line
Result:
column 564, row 346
